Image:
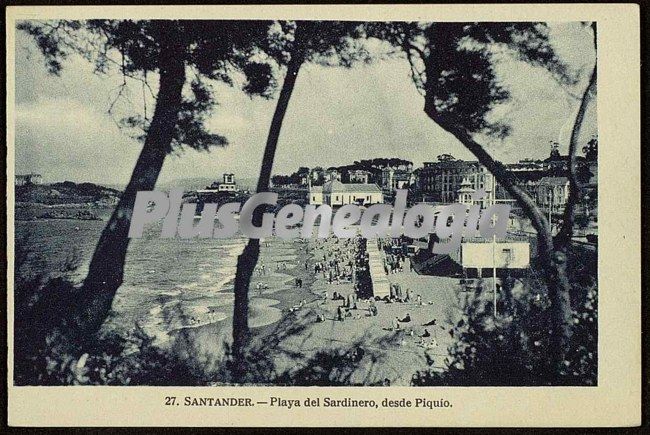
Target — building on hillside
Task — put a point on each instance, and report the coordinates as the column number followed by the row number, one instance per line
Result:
column 393, row 179
column 358, row 176
column 22, row 180
column 552, row 194
column 227, row 185
column 332, row 174
column 557, row 165
column 525, row 165
column 334, row 193
column 527, row 174
column 442, row 180
column 317, row 175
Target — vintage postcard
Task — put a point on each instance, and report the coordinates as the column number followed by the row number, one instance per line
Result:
column 347, row 215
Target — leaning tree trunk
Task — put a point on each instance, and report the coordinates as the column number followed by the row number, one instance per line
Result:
column 563, row 238
column 552, row 262
column 106, row 269
column 552, row 253
column 247, row 261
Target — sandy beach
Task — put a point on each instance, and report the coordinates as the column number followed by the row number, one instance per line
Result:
column 288, row 315
column 272, row 292
column 387, row 351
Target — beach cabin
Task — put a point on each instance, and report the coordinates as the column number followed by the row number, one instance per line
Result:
column 479, row 256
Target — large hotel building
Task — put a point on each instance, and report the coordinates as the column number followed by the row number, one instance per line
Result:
column 442, row 180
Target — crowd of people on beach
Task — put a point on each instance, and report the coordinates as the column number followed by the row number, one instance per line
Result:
column 395, row 258
column 342, row 262
column 340, row 259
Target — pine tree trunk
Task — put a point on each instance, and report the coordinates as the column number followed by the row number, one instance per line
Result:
column 552, row 261
column 106, row 270
column 247, row 261
column 563, row 238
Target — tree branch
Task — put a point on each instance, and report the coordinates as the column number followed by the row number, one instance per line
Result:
column 507, row 180
column 565, row 234
column 415, row 74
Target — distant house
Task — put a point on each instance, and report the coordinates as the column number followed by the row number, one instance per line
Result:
column 392, row 179
column 317, row 175
column 227, row 185
column 334, row 193
column 358, row 176
column 229, row 178
column 527, row 174
column 22, row 180
column 553, row 193
column 107, row 201
column 332, row 174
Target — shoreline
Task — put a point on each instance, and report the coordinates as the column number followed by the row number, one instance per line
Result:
column 312, row 328
column 267, row 307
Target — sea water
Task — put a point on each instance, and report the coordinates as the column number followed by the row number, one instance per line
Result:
column 168, row 283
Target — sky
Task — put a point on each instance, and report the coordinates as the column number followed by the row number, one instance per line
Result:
column 335, row 116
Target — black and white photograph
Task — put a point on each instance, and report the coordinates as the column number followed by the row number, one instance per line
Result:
column 331, row 113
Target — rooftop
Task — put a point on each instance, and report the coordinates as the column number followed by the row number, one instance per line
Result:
column 337, row 186
column 557, row 181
